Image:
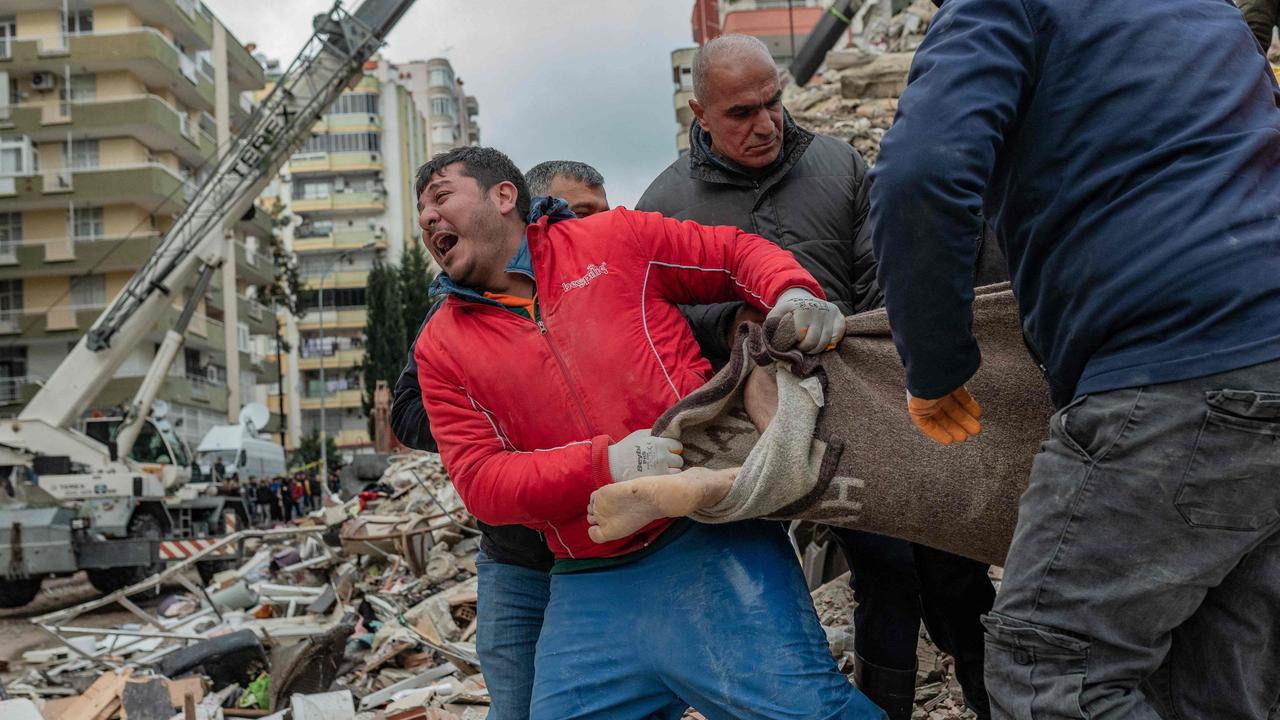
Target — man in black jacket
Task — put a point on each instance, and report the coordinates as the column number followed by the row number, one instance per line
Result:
column 751, row 166
column 1262, row 16
column 514, row 562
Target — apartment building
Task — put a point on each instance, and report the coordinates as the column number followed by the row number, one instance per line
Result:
column 452, row 114
column 112, row 114
column 349, row 190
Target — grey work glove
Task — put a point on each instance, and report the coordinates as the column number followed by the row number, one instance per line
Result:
column 640, row 454
column 819, row 324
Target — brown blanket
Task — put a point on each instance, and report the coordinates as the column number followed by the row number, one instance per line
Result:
column 843, row 451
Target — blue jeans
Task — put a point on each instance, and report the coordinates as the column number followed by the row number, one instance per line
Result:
column 1144, row 577
column 720, row 619
column 509, row 609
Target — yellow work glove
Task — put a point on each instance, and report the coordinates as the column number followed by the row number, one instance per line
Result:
column 954, row 417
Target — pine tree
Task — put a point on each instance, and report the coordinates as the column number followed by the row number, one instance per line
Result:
column 384, row 333
column 415, row 282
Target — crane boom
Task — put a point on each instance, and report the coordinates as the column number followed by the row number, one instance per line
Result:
column 330, row 61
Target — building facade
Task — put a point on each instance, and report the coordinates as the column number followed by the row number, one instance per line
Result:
column 452, row 115
column 112, row 113
column 349, row 192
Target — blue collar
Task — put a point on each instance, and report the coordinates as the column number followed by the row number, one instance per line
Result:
column 552, row 208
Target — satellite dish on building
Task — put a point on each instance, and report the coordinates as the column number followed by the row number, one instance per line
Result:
column 255, row 416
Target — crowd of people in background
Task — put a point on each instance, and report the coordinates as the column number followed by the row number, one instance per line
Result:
column 275, row 499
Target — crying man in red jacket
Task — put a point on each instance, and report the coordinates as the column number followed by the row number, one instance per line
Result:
column 557, row 346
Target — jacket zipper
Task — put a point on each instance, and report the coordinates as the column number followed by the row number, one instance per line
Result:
column 564, row 370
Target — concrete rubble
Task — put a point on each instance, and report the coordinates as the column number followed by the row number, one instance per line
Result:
column 363, row 610
column 856, row 97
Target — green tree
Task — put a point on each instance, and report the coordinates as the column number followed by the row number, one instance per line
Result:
column 309, row 451
column 415, row 281
column 384, row 333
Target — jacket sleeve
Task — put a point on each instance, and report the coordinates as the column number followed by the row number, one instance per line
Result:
column 499, row 485
column 409, row 419
column 967, row 82
column 710, row 325
column 692, row 264
column 1261, row 16
column 865, row 292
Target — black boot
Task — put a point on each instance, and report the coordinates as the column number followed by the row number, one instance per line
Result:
column 893, row 690
column 969, row 675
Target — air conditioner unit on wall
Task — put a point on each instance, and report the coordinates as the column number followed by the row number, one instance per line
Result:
column 43, row 81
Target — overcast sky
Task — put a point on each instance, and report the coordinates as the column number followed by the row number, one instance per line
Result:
column 582, row 80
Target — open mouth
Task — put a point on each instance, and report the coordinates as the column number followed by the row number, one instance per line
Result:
column 443, row 242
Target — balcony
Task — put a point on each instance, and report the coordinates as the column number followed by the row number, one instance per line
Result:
column 341, row 240
column 63, row 256
column 257, row 316
column 345, row 202
column 335, row 162
column 60, row 322
column 336, row 359
column 348, row 122
column 150, row 185
column 352, row 438
column 254, row 266
column 148, row 118
column 335, row 318
column 259, row 225
column 143, row 51
column 336, row 279
column 18, row 391
column 184, row 389
column 333, row 400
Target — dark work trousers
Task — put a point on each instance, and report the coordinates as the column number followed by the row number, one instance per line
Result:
column 1144, row 577
column 897, row 584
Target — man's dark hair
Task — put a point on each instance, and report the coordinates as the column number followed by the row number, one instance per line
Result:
column 540, row 176
column 486, row 166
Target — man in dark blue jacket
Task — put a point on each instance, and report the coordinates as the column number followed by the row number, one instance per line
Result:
column 1127, row 153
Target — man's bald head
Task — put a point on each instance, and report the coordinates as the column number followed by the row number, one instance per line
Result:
column 738, row 99
column 724, row 53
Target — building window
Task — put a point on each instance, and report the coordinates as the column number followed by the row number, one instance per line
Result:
column 84, row 88
column 87, row 223
column 342, row 142
column 89, row 291
column 10, row 300
column 311, row 189
column 84, row 155
column 16, row 156
column 358, row 103
column 79, row 22
column 242, row 337
column 8, row 31
column 441, row 76
column 444, row 105
column 10, row 232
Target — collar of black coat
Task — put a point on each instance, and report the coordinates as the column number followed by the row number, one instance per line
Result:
column 703, row 166
column 938, row 2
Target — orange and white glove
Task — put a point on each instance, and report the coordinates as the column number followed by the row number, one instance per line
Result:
column 954, row 417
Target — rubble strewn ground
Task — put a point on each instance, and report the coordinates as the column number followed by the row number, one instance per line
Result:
column 364, row 609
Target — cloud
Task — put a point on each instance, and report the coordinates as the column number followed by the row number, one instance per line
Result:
column 583, row 80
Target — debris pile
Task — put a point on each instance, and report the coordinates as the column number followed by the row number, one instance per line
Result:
column 363, row 609
column 857, row 96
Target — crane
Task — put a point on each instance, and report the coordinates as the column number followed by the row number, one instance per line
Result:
column 81, row 502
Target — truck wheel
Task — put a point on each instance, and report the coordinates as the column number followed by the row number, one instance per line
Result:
column 109, row 580
column 16, row 593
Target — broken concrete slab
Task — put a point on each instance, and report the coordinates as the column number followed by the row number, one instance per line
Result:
column 19, row 709
column 338, row 705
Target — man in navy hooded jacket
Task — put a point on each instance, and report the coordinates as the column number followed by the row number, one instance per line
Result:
column 1127, row 153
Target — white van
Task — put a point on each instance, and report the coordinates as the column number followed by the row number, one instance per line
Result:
column 240, row 449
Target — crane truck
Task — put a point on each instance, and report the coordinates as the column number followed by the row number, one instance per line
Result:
column 115, row 499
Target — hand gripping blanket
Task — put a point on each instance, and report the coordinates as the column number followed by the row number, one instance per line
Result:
column 842, row 450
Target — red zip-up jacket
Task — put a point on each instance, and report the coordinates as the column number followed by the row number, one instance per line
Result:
column 524, row 411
